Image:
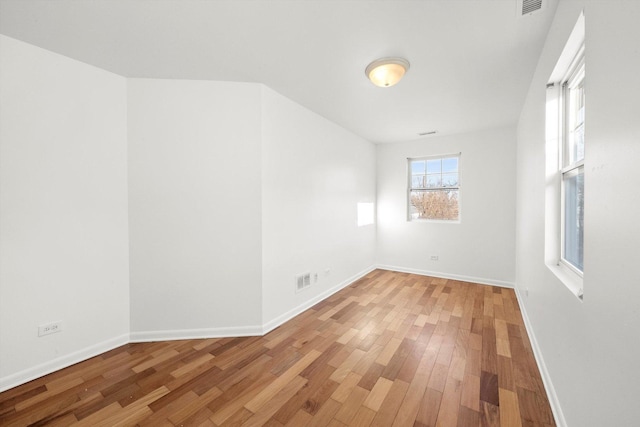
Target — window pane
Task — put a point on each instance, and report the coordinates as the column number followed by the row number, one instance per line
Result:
column 440, row 204
column 450, row 165
column 577, row 144
column 576, row 123
column 577, row 95
column 417, row 181
column 450, row 180
column 574, row 218
column 418, row 167
column 434, row 166
column 434, row 181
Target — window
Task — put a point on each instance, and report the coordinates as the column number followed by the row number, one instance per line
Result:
column 434, row 188
column 572, row 165
column 565, row 164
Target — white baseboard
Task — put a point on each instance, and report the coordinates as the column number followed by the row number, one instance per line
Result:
column 242, row 331
column 481, row 280
column 274, row 323
column 38, row 371
column 184, row 334
column 43, row 369
column 61, row 362
column 542, row 367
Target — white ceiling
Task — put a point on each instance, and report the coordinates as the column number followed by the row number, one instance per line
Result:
column 471, row 60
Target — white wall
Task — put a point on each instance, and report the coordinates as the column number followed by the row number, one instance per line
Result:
column 313, row 174
column 481, row 247
column 139, row 209
column 63, row 211
column 195, row 215
column 590, row 349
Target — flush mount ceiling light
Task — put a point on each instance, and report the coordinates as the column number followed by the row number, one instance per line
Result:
column 386, row 72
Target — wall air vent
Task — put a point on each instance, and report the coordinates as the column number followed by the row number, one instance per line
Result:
column 302, row 281
column 528, row 7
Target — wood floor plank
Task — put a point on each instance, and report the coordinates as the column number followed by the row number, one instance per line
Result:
column 470, row 396
column 347, row 366
column 346, row 387
column 192, row 407
column 252, row 370
column 386, row 415
column 351, row 405
column 391, row 349
column 230, row 407
column 268, row 392
column 468, row 417
column 21, row 406
column 161, row 415
column 314, row 403
column 378, row 393
column 237, row 419
column 509, row 409
column 363, row 418
column 265, row 412
column 61, row 421
column 39, row 412
column 155, row 360
column 489, row 388
column 438, row 378
column 489, row 415
column 301, row 418
column 324, row 416
column 101, row 415
column 429, row 408
column 305, row 397
column 410, row 405
column 450, row 404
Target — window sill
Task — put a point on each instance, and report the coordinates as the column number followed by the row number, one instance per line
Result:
column 434, row 221
column 569, row 278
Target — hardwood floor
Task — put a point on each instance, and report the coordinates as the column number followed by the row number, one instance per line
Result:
column 392, row 349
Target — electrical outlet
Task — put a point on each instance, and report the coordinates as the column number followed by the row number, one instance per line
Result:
column 434, row 257
column 49, row 328
column 315, row 277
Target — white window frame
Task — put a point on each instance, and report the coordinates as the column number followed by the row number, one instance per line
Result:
column 441, row 188
column 569, row 62
column 575, row 75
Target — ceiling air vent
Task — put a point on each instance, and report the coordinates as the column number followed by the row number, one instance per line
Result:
column 527, row 7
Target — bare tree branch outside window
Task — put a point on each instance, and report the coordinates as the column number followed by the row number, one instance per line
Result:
column 441, row 205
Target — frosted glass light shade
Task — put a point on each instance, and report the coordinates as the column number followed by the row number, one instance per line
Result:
column 386, row 72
